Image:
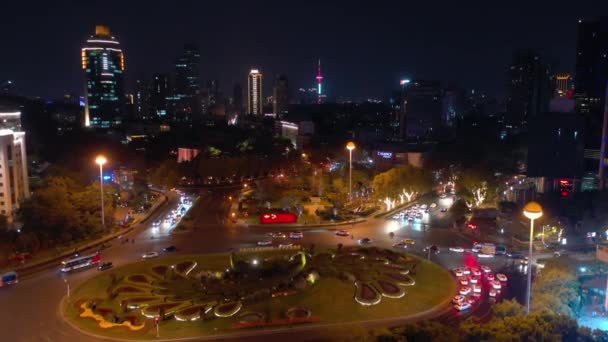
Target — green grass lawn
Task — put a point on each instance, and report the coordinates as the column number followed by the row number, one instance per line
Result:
column 329, row 298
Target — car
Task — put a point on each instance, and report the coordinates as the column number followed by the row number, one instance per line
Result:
column 465, row 290
column 277, row 235
column 490, row 276
column 457, row 249
column 486, row 269
column 515, row 255
column 483, row 255
column 169, row 249
column 524, row 261
column 458, row 272
column 423, row 207
column 264, row 243
column 433, row 205
column 459, row 299
column 476, row 289
column 105, row 266
column 475, row 271
column 442, row 196
column 156, row 223
column 365, row 241
column 443, row 209
column 501, row 250
column 464, row 281
column 296, row 235
column 466, row 271
column 492, row 293
column 462, row 307
column 286, row 245
column 149, row 255
column 501, row 277
column 495, row 284
column 409, row 241
column 397, row 216
column 474, row 280
column 342, row 233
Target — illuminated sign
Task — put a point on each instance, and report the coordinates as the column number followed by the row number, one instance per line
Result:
column 272, row 218
column 404, row 82
column 385, row 155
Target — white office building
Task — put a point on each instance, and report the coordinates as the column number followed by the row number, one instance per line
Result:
column 14, row 184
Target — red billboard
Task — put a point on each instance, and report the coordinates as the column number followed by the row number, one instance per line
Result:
column 278, row 218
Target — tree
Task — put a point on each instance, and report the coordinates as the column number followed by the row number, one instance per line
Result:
column 401, row 180
column 556, row 289
column 508, row 308
column 476, row 186
column 422, row 331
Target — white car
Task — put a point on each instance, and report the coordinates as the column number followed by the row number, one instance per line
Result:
column 156, row 224
column 423, row 207
column 459, row 299
column 464, row 281
column 501, row 277
column 433, row 205
column 482, row 255
column 496, row 284
column 492, row 293
column 149, row 255
column 286, row 245
column 342, row 233
column 296, row 235
column 476, row 288
column 474, row 280
column 486, row 269
column 457, row 272
column 457, row 249
column 466, row 271
column 465, row 290
column 264, row 243
column 462, row 307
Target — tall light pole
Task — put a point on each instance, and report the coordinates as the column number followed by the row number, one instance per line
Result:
column 101, row 160
column 350, row 147
column 533, row 211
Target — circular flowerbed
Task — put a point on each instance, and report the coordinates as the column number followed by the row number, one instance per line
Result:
column 227, row 309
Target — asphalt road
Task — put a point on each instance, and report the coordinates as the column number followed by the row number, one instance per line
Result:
column 30, row 309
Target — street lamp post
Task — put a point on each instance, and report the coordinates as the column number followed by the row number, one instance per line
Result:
column 350, row 147
column 101, row 160
column 533, row 211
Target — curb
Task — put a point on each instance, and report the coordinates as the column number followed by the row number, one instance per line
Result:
column 33, row 268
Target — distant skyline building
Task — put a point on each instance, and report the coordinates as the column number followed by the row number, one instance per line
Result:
column 159, row 94
column 320, row 95
column 280, row 96
column 562, row 84
column 529, row 89
column 14, row 182
column 421, row 110
column 254, row 93
column 187, row 89
column 103, row 63
column 142, row 99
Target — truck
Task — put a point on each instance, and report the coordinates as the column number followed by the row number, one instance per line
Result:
column 9, row 278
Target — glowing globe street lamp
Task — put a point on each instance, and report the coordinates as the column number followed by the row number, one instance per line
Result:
column 533, row 211
column 101, row 160
column 350, row 146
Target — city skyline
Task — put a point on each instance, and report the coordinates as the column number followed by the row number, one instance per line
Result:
column 361, row 58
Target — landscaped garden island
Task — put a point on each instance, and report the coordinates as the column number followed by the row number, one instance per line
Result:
column 263, row 287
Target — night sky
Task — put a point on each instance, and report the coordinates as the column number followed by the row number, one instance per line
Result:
column 365, row 47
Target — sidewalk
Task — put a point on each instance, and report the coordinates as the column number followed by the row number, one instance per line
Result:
column 30, row 268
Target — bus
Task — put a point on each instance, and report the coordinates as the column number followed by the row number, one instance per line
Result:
column 80, row 262
column 9, row 278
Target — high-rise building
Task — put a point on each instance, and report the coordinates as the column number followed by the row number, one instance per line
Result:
column 237, row 95
column 529, row 89
column 103, row 62
column 280, row 96
column 14, row 183
column 591, row 65
column 187, row 92
column 142, row 99
column 421, row 110
column 158, row 95
column 254, row 93
column 562, row 84
column 320, row 94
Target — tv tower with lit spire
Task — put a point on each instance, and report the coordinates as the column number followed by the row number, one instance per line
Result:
column 320, row 95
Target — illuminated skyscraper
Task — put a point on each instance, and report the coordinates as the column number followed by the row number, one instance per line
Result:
column 320, row 95
column 254, row 93
column 103, row 62
column 187, row 92
column 562, row 84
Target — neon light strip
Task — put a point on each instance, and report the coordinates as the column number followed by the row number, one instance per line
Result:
column 102, row 41
column 10, row 114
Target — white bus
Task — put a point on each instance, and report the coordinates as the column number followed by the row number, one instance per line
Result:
column 80, row 262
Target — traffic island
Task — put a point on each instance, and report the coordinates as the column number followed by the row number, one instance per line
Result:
column 202, row 295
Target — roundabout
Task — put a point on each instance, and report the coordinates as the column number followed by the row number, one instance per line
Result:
column 206, row 295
